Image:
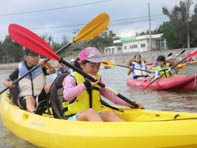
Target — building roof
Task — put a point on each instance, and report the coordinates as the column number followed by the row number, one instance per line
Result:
column 135, row 38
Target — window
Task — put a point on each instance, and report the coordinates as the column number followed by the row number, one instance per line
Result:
column 125, row 47
column 162, row 43
column 143, row 45
column 159, row 43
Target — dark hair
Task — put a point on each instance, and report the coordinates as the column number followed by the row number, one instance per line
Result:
column 161, row 58
column 27, row 51
column 137, row 55
column 76, row 64
column 84, row 62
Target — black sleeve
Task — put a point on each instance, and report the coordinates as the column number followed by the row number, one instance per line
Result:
column 14, row 75
column 44, row 69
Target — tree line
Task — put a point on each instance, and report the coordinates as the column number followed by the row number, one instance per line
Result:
column 13, row 52
column 182, row 22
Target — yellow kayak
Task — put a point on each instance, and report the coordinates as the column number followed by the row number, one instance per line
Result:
column 145, row 128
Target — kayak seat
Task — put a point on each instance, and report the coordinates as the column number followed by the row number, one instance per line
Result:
column 56, row 96
column 43, row 107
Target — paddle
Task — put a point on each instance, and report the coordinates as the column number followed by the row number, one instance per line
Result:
column 193, row 53
column 110, row 64
column 29, row 39
column 46, row 51
column 180, row 53
column 169, row 54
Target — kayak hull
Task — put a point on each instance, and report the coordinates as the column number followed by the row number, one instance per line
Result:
column 174, row 82
column 146, row 129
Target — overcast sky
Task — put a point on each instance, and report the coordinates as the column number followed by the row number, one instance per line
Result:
column 40, row 15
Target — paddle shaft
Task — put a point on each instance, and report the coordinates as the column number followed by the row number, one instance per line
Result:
column 169, row 54
column 180, row 53
column 136, row 68
column 100, row 84
column 37, row 66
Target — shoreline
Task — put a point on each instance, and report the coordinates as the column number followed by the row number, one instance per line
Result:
column 12, row 66
column 8, row 67
column 120, row 58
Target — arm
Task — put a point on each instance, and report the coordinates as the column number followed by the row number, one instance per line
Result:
column 146, row 68
column 115, row 98
column 172, row 71
column 130, row 70
column 50, row 69
column 71, row 90
column 9, row 80
column 156, row 73
column 111, row 96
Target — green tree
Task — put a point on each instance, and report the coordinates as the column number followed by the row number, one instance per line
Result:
column 1, row 52
column 193, row 28
column 168, row 30
column 179, row 17
column 103, row 40
column 12, row 52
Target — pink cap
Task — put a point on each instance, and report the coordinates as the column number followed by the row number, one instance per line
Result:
column 91, row 54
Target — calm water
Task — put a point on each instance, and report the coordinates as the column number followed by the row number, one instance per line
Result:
column 117, row 77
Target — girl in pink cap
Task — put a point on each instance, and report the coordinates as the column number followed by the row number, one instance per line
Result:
column 84, row 95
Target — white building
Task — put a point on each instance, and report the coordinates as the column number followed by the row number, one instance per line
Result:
column 141, row 43
column 113, row 50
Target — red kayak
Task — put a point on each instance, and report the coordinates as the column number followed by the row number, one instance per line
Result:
column 174, row 82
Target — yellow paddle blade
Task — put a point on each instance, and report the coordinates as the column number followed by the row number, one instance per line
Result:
column 93, row 28
column 181, row 66
column 109, row 63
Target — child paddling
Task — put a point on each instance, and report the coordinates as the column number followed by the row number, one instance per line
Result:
column 84, row 95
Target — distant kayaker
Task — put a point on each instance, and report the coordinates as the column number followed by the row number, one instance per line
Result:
column 72, row 61
column 84, row 95
column 62, row 69
column 32, row 87
column 163, row 67
column 138, row 64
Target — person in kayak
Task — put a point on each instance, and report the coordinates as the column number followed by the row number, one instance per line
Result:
column 32, row 87
column 138, row 64
column 62, row 69
column 163, row 69
column 84, row 95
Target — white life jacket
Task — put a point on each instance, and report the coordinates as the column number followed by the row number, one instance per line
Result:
column 33, row 83
column 139, row 66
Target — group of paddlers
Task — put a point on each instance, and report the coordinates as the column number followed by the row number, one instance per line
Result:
column 140, row 70
column 83, row 95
